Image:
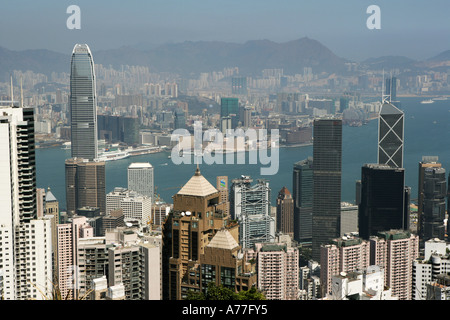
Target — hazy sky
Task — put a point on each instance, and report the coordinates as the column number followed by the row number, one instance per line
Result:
column 416, row 29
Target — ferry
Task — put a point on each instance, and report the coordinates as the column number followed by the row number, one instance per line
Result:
column 427, row 101
column 113, row 155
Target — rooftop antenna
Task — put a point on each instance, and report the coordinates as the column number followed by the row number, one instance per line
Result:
column 21, row 93
column 12, row 93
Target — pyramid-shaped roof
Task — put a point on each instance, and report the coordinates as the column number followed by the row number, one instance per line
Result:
column 223, row 240
column 49, row 196
column 197, row 186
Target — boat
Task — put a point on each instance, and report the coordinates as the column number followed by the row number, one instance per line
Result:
column 440, row 99
column 114, row 155
column 427, row 101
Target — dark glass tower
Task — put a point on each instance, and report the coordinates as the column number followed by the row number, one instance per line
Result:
column 327, row 155
column 384, row 200
column 302, row 192
column 434, row 191
column 390, row 136
column 83, row 104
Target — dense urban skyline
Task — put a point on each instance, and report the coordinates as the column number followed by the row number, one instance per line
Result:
column 297, row 106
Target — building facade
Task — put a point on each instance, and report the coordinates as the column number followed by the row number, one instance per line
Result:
column 327, row 155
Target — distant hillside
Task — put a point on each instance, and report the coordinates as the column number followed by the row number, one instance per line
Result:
column 191, row 57
column 389, row 62
column 39, row 61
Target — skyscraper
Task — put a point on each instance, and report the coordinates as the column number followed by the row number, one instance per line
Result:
column 196, row 216
column 427, row 162
column 250, row 205
column 434, row 193
column 390, row 136
column 326, row 209
column 302, row 192
column 384, row 200
column 285, row 212
column 83, row 104
column 25, row 257
column 140, row 178
column 85, row 185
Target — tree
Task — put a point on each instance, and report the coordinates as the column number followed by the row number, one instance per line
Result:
column 215, row 292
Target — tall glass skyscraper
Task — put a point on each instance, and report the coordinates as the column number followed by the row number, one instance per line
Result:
column 83, row 104
column 390, row 136
column 302, row 192
column 327, row 155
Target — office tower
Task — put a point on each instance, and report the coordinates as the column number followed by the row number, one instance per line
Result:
column 196, row 216
column 83, row 104
column 278, row 270
column 285, row 212
column 390, row 135
column 427, row 162
column 433, row 210
column 395, row 251
column 327, row 155
column 140, row 179
column 343, row 254
column 224, row 264
column 85, row 185
column 22, row 234
column 391, row 88
column 179, row 119
column 222, row 186
column 229, row 107
column 384, row 202
column 134, row 205
column 250, row 206
column 302, row 191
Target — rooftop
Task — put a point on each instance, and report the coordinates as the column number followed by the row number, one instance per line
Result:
column 197, row 186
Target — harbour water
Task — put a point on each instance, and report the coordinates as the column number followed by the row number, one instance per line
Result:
column 427, row 133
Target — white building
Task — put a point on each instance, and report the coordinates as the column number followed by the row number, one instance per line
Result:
column 25, row 242
column 436, row 261
column 361, row 285
column 140, row 179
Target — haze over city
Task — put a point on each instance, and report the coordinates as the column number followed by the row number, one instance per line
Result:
column 415, row 29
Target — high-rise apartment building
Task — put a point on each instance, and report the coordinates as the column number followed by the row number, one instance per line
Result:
column 390, row 135
column 250, row 206
column 278, row 270
column 140, row 179
column 302, row 192
column 384, row 201
column 25, row 240
column 327, row 155
column 395, row 251
column 344, row 254
column 285, row 212
column 83, row 104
